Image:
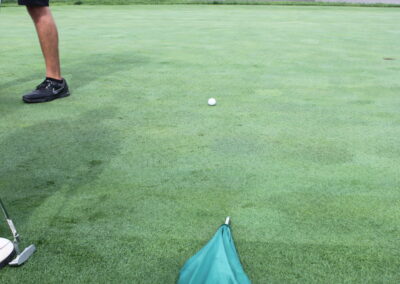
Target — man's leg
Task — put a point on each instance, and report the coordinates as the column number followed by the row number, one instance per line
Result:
column 48, row 37
column 54, row 86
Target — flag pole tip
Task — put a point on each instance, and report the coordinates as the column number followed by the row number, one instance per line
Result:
column 227, row 220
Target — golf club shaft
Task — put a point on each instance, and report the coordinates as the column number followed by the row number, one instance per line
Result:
column 3, row 208
column 10, row 225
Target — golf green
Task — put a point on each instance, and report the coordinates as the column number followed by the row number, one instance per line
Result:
column 131, row 175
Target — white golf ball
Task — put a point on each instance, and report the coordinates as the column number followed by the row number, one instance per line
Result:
column 212, row 102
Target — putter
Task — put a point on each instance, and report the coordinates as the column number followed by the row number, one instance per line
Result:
column 23, row 256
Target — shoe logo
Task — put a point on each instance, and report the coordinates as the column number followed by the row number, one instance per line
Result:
column 56, row 92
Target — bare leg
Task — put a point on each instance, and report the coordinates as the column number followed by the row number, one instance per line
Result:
column 48, row 37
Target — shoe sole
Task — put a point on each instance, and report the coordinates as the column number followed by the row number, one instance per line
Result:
column 48, row 99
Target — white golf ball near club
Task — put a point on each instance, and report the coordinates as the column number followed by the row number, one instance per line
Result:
column 212, row 102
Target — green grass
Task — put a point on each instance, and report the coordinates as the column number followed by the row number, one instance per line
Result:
column 127, row 178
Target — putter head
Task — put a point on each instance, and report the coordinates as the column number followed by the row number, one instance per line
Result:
column 23, row 256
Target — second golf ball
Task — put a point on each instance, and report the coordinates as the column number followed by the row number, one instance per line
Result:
column 212, row 102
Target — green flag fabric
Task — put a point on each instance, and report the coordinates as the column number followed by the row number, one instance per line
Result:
column 216, row 263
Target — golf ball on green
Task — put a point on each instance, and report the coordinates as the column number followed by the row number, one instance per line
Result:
column 212, row 102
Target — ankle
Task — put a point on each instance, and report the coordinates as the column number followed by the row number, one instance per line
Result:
column 55, row 79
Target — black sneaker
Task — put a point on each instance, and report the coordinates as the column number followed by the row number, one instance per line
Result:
column 47, row 91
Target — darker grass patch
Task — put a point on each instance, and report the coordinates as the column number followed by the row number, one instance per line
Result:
column 84, row 70
column 311, row 150
column 389, row 58
column 64, row 221
column 249, row 205
column 56, row 154
column 362, row 102
column 94, row 217
column 94, row 163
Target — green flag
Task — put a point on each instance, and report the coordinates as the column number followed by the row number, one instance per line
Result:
column 216, row 263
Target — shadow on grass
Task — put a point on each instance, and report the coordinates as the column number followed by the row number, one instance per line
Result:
column 79, row 72
column 41, row 160
column 97, row 66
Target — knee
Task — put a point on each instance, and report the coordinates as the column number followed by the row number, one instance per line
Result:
column 38, row 13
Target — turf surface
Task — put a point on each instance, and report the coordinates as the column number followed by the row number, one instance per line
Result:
column 131, row 175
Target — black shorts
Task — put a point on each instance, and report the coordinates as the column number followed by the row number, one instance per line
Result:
column 34, row 3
